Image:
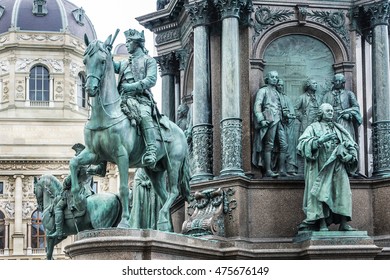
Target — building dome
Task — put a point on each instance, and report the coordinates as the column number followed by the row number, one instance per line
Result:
column 121, row 49
column 45, row 16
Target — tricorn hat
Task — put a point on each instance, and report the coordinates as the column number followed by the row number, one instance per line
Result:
column 134, row 35
column 78, row 147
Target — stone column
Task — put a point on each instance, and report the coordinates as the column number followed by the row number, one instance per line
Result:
column 379, row 16
column 202, row 131
column 6, row 238
column 29, row 248
column 231, row 123
column 168, row 69
column 18, row 235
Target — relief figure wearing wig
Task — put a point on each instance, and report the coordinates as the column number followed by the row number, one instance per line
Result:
column 330, row 153
column 136, row 76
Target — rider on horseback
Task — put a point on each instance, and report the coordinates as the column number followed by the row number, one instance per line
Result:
column 66, row 197
column 136, row 76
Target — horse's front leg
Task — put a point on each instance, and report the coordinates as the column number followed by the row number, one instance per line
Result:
column 123, row 167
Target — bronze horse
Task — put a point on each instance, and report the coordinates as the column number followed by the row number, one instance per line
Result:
column 48, row 187
column 110, row 137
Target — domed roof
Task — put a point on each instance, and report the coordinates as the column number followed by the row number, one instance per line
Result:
column 121, row 49
column 43, row 15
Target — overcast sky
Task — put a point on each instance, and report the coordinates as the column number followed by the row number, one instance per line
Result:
column 107, row 16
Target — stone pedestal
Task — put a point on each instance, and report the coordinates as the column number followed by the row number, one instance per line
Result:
column 348, row 245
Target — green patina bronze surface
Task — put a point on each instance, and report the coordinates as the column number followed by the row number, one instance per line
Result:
column 110, row 136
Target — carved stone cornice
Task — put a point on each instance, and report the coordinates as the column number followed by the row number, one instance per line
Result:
column 168, row 64
column 31, row 165
column 199, row 12
column 167, row 36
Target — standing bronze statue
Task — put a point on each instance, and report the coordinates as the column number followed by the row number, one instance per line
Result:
column 288, row 125
column 268, row 128
column 330, row 153
column 137, row 75
column 346, row 107
column 306, row 105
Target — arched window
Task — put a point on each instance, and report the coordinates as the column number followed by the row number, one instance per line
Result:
column 38, row 237
column 39, row 84
column 81, row 95
column 2, row 230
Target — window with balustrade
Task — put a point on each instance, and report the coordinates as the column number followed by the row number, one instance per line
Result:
column 39, row 86
column 38, row 236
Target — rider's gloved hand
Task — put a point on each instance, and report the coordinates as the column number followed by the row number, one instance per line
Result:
column 128, row 88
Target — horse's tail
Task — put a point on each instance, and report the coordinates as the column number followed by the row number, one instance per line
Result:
column 184, row 179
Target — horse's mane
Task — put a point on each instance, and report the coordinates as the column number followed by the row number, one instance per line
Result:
column 94, row 46
column 52, row 184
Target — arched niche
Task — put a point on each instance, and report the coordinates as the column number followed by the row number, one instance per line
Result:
column 299, row 53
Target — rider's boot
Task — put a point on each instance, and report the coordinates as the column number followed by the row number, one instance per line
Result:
column 149, row 158
column 59, row 221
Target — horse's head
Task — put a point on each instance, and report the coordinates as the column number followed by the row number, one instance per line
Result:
column 96, row 58
column 38, row 193
column 45, row 184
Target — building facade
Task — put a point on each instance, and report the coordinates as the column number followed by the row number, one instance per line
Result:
column 43, row 109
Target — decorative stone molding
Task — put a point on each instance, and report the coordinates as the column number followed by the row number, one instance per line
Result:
column 167, row 36
column 264, row 18
column 39, row 37
column 333, row 20
column 381, row 148
column 5, row 96
column 202, row 141
column 231, row 140
column 9, row 165
column 20, row 92
column 23, row 64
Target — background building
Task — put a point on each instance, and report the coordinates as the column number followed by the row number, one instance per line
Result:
column 43, row 109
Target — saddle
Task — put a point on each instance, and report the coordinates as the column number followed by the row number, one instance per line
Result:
column 161, row 123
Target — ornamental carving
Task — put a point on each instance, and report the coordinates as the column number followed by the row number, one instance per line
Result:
column 34, row 165
column 199, row 13
column 4, row 66
column 167, row 36
column 202, row 141
column 231, row 138
column 39, row 37
column 334, row 20
column 232, row 8
column 28, row 208
column 168, row 64
column 207, row 212
column 9, row 208
column 381, row 146
column 264, row 18
column 23, row 64
column 378, row 13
